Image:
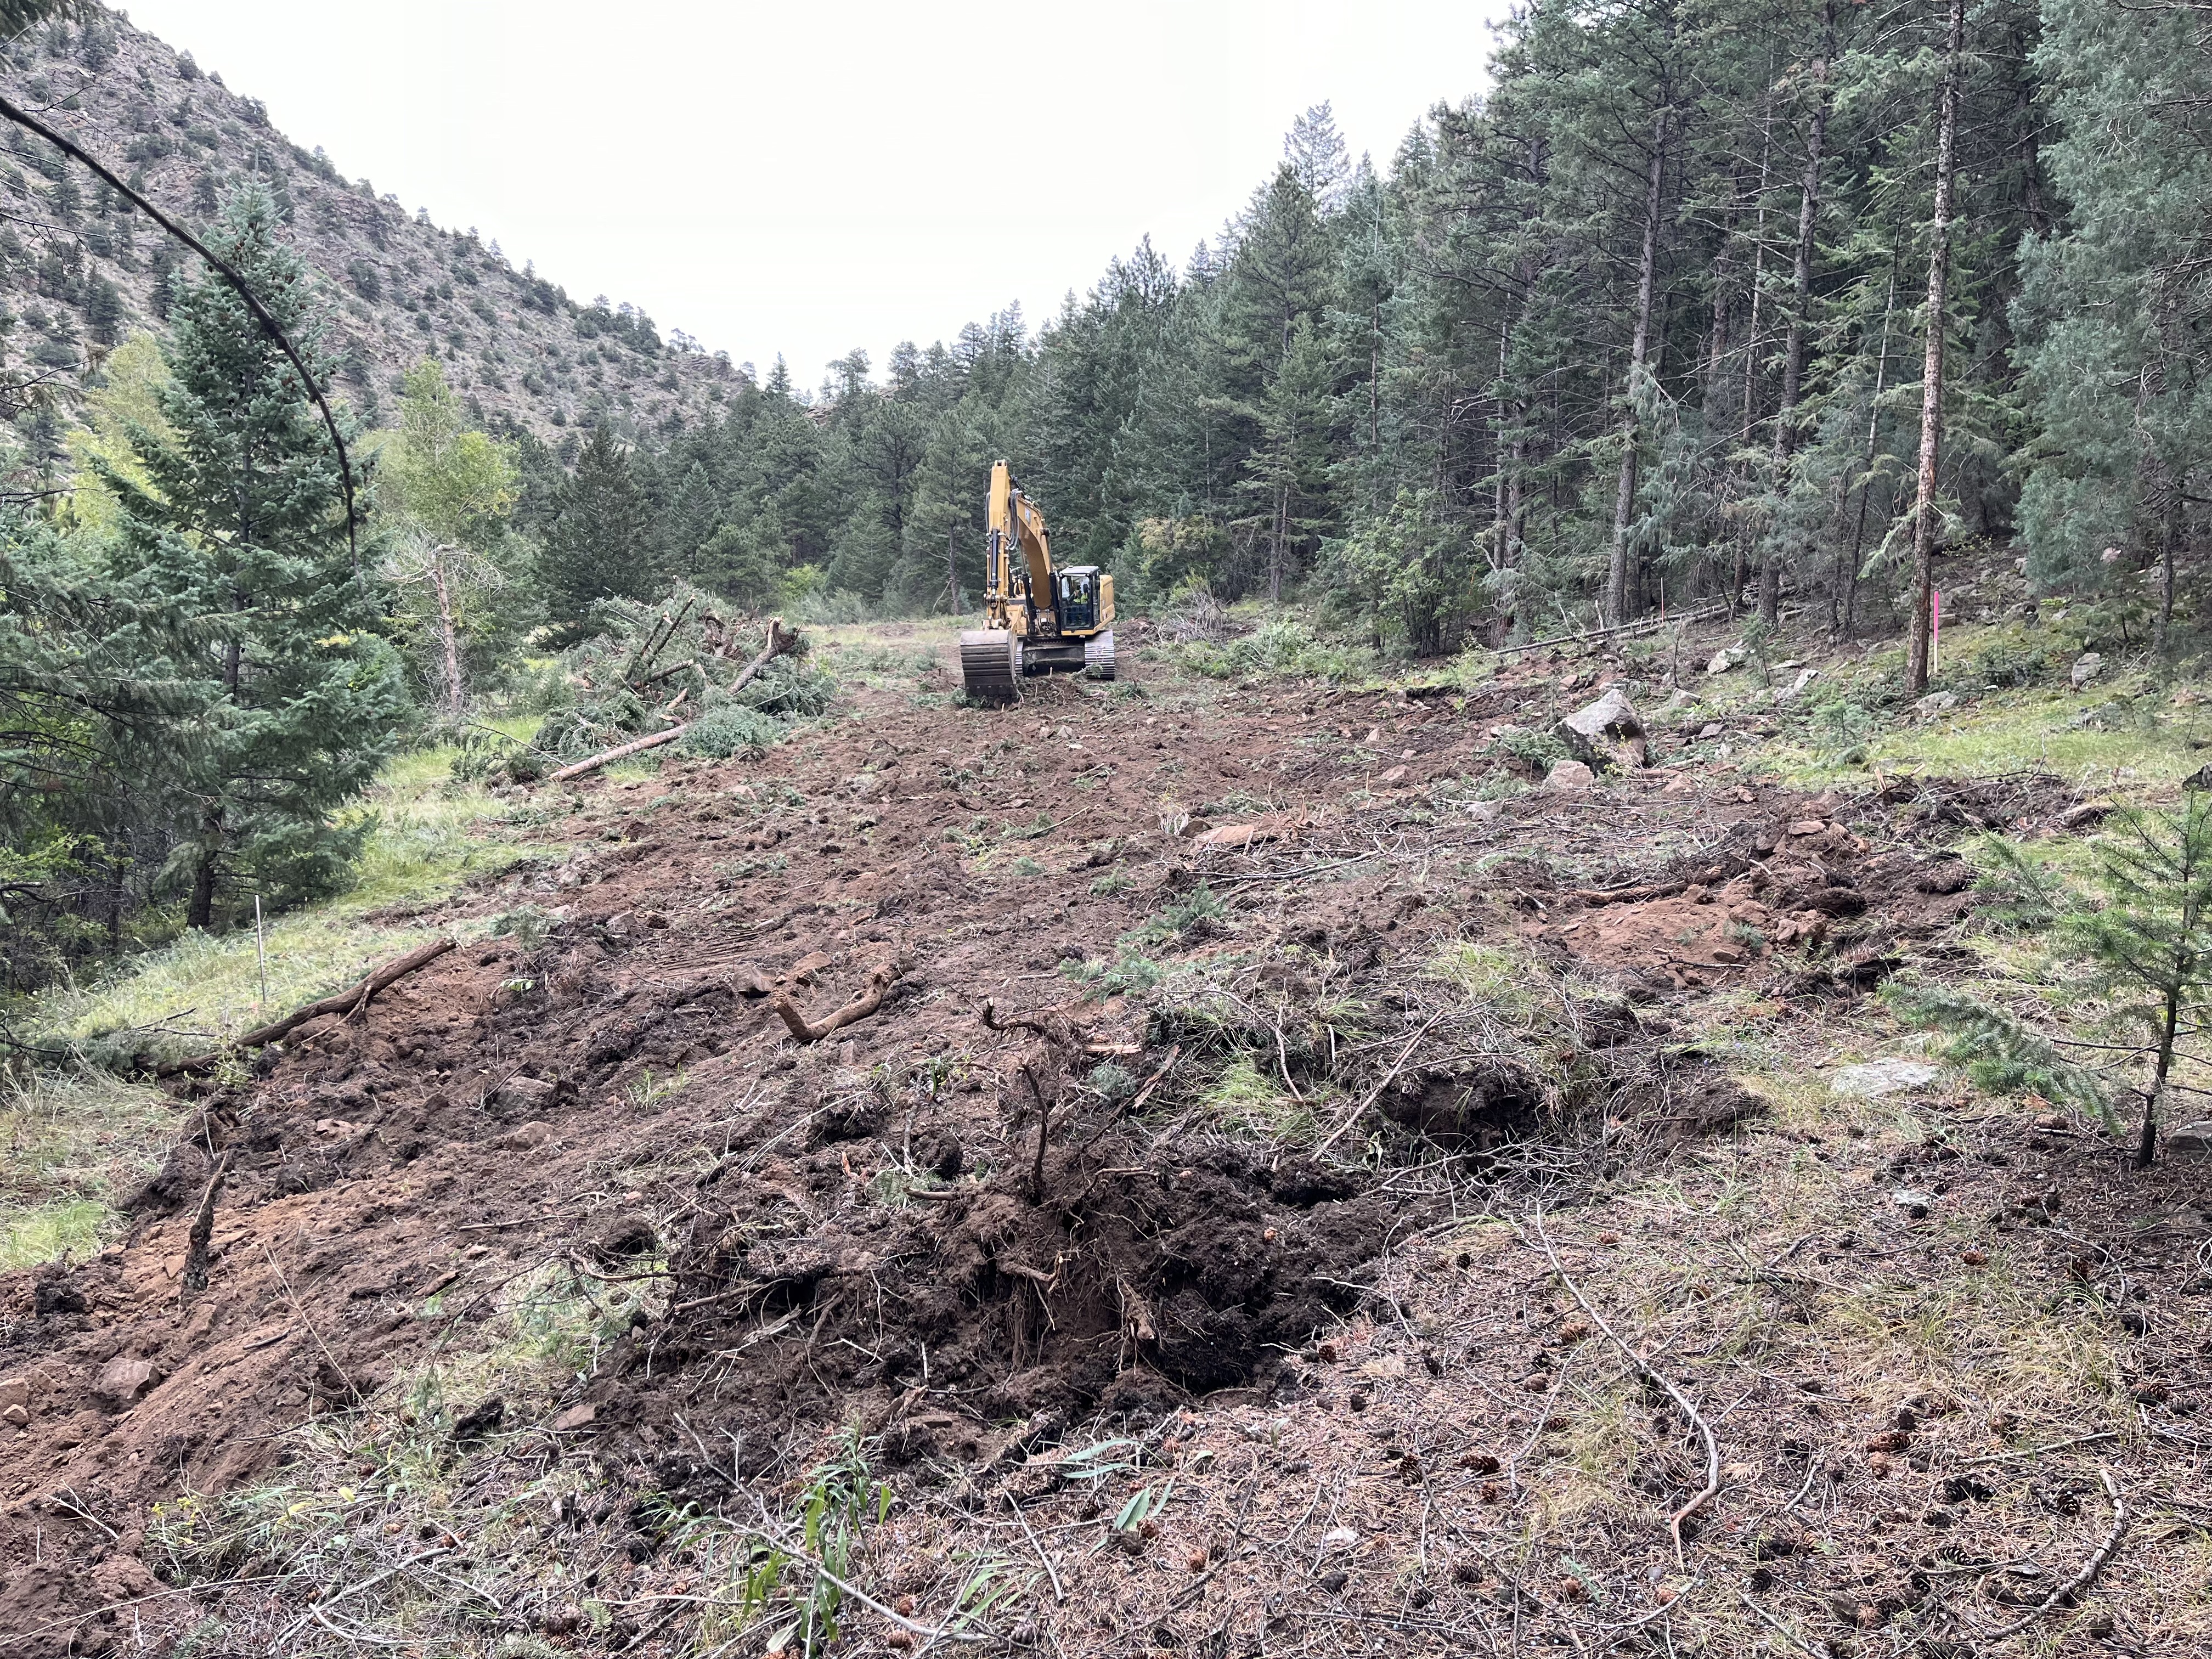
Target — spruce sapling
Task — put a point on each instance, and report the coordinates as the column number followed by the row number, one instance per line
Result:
column 2152, row 936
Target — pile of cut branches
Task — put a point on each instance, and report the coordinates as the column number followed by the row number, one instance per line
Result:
column 676, row 670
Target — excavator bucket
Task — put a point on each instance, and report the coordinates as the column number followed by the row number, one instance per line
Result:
column 990, row 664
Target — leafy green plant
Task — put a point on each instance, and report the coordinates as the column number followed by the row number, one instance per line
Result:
column 731, row 729
column 1113, row 1083
column 2017, row 896
column 527, row 925
column 843, row 1497
column 1541, row 750
column 1130, row 972
column 1841, row 728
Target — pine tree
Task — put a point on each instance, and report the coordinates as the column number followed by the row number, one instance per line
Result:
column 2118, row 305
column 597, row 547
column 2152, row 938
column 238, row 527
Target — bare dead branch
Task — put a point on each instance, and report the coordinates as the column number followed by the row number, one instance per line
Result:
column 1643, row 1369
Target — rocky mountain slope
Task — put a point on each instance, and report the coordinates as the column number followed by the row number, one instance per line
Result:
column 80, row 270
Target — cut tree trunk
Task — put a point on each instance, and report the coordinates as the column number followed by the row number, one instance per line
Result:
column 859, row 1007
column 1932, row 385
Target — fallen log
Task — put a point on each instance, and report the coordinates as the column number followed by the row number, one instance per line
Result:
column 620, row 751
column 351, row 1000
column 781, row 641
column 859, row 1007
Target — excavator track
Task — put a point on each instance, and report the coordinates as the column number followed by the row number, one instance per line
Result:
column 1099, row 656
column 990, row 664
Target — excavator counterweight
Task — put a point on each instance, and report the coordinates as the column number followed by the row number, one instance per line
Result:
column 1039, row 618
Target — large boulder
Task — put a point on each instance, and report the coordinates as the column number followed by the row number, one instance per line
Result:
column 1607, row 733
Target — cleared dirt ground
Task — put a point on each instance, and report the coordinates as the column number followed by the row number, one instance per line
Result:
column 537, row 1288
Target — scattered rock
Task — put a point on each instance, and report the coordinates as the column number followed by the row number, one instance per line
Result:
column 2086, row 667
column 1728, row 657
column 947, row 1158
column 15, row 1394
column 1570, row 777
column 1936, row 703
column 474, row 1425
column 1883, row 1077
column 1606, row 733
column 526, row 1093
column 1709, row 731
column 123, row 1381
column 2191, row 1139
column 576, row 1417
column 1949, row 874
column 1805, row 677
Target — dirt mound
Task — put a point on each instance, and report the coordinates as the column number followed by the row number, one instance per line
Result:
column 1146, row 1273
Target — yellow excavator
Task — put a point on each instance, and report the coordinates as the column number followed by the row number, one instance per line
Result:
column 1039, row 619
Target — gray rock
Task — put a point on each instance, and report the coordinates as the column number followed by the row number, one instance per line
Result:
column 1606, row 733
column 1883, row 1077
column 2190, row 1140
column 526, row 1093
column 1711, row 729
column 2086, row 667
column 1936, row 703
column 1728, row 657
column 123, row 1381
column 1570, row 777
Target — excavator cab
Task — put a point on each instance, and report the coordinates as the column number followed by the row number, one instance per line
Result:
column 1078, row 599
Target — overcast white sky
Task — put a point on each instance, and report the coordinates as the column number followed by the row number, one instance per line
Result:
column 807, row 178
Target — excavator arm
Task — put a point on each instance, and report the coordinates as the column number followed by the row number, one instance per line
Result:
column 1017, row 531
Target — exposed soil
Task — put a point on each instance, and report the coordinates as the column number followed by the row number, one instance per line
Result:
column 861, row 1229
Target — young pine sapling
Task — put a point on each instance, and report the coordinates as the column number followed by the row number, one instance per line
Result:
column 2151, row 939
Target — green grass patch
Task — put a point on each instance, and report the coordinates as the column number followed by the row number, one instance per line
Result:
column 72, row 1143
column 430, row 833
column 69, row 1226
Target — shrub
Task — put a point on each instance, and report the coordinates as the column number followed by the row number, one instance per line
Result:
column 732, row 729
